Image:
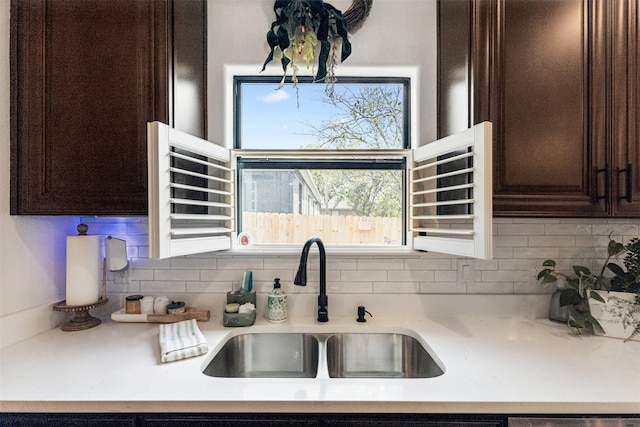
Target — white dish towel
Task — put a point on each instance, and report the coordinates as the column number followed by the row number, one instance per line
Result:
column 181, row 340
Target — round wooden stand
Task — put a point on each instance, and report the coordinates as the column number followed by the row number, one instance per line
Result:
column 82, row 320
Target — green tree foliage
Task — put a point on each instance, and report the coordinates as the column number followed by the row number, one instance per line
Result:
column 370, row 118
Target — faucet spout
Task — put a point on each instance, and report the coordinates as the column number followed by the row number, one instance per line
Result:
column 301, row 276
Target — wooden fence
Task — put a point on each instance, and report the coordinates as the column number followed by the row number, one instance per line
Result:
column 336, row 229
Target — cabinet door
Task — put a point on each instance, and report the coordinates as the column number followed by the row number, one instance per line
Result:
column 625, row 191
column 86, row 77
column 549, row 92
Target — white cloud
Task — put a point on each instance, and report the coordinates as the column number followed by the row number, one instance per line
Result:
column 275, row 96
column 340, row 123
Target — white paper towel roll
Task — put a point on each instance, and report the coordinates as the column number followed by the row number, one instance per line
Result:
column 83, row 270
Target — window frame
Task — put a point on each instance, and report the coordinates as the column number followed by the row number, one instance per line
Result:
column 239, row 80
column 407, row 76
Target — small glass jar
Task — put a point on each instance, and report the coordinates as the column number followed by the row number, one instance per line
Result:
column 176, row 307
column 146, row 305
column 160, row 305
column 132, row 304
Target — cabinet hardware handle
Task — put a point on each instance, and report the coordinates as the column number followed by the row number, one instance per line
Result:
column 607, row 183
column 628, row 183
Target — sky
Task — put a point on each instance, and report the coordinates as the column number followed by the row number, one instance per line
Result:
column 275, row 118
column 270, row 114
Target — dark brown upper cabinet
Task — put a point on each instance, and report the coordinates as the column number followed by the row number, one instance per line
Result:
column 560, row 81
column 86, row 77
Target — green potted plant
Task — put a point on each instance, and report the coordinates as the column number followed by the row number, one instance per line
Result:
column 576, row 289
column 620, row 314
column 308, row 31
column 594, row 298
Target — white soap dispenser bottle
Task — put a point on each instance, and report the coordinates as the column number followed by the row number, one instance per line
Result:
column 277, row 303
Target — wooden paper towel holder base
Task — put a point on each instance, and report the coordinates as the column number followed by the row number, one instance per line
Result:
column 82, row 320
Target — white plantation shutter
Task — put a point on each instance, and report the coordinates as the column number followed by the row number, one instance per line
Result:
column 450, row 194
column 191, row 193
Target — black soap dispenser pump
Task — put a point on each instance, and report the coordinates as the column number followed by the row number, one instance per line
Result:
column 361, row 313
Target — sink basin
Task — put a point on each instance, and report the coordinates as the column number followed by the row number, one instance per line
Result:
column 335, row 355
column 266, row 355
column 379, row 355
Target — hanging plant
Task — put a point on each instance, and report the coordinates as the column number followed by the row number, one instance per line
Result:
column 304, row 28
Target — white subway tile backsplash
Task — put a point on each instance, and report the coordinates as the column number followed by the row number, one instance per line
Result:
column 393, row 287
column 442, row 288
column 222, row 275
column 446, row 276
column 593, row 241
column 510, row 241
column 380, row 264
column 503, row 276
column 340, row 264
column 488, row 264
column 580, row 252
column 514, row 264
column 531, row 288
column 546, row 241
column 618, row 229
column 142, row 274
column 428, row 264
column 208, row 287
column 410, row 276
column 160, row 287
column 241, row 263
column 193, row 264
column 288, row 263
column 176, row 275
column 520, row 229
column 505, row 252
column 537, row 252
column 568, row 229
column 520, row 246
column 346, row 287
column 491, row 288
column 152, row 264
column 363, row 276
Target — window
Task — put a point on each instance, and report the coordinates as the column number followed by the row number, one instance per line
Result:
column 343, row 147
column 350, row 184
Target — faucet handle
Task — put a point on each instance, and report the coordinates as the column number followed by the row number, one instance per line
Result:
column 323, row 315
column 361, row 314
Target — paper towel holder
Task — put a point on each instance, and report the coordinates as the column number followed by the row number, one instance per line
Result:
column 82, row 319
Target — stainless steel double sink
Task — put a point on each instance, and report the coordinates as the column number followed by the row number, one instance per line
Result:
column 317, row 355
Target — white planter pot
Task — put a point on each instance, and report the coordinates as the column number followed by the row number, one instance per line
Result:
column 618, row 316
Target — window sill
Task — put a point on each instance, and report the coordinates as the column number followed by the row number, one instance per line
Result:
column 278, row 250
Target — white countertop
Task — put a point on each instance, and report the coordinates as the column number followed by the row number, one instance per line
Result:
column 494, row 364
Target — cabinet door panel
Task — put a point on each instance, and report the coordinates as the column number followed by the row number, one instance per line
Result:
column 626, row 108
column 83, row 78
column 86, row 77
column 543, row 79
